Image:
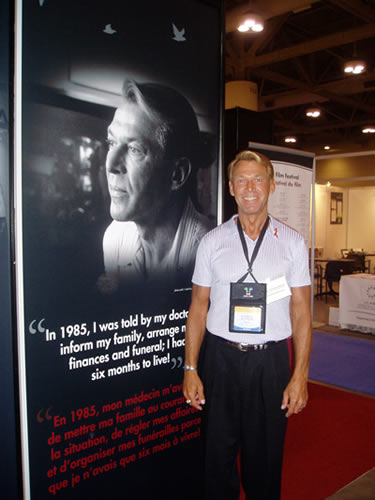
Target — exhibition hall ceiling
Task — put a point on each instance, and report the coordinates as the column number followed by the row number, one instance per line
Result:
column 297, row 62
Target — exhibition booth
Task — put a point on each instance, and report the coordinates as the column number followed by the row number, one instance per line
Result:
column 92, row 342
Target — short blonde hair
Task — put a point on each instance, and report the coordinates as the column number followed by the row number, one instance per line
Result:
column 251, row 156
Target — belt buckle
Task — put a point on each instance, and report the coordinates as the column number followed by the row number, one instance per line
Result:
column 243, row 347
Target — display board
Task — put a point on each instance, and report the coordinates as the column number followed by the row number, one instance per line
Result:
column 294, row 177
column 117, row 181
column 357, row 302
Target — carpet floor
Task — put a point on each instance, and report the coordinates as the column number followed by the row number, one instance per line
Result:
column 344, row 362
column 329, row 444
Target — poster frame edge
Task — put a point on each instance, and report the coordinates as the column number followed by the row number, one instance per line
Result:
column 220, row 187
column 18, row 249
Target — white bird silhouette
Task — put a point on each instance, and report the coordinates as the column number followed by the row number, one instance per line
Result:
column 109, row 30
column 178, row 34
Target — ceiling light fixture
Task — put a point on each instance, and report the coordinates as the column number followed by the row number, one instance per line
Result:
column 327, row 147
column 368, row 130
column 251, row 22
column 356, row 66
column 313, row 112
column 290, row 139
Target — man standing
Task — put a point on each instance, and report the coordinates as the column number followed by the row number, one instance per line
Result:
column 246, row 390
column 154, row 148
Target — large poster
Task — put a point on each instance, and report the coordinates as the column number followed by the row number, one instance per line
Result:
column 118, row 173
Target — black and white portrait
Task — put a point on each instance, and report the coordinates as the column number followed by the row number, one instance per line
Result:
column 121, row 147
column 154, row 151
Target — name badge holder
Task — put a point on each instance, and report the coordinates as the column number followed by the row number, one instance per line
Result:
column 248, row 301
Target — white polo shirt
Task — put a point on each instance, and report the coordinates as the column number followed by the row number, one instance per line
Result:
column 220, row 261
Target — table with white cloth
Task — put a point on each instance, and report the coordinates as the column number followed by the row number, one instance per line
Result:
column 357, row 302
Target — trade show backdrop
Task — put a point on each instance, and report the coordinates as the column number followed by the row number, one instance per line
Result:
column 101, row 356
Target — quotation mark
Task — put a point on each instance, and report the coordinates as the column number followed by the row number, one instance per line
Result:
column 176, row 362
column 39, row 328
column 47, row 416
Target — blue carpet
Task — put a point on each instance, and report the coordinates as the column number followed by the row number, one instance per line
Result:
column 343, row 361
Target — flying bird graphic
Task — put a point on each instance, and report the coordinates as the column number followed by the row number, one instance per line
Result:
column 178, row 34
column 109, row 30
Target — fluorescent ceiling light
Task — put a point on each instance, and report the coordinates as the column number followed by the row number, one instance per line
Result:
column 355, row 66
column 243, row 28
column 313, row 112
column 368, row 130
column 290, row 139
column 258, row 27
column 251, row 22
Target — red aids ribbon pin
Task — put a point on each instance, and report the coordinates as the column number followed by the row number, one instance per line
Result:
column 275, row 234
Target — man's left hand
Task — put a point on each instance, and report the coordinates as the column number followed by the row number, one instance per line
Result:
column 295, row 396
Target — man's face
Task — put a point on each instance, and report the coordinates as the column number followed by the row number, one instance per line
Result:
column 138, row 177
column 251, row 187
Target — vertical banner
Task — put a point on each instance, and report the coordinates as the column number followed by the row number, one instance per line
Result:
column 294, row 176
column 118, row 181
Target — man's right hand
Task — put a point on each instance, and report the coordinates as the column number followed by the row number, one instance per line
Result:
column 193, row 389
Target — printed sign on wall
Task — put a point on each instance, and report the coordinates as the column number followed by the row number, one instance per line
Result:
column 120, row 152
column 294, row 173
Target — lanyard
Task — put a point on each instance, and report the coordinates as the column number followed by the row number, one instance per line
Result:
column 256, row 249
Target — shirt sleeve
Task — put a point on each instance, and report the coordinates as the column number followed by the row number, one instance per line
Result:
column 202, row 275
column 300, row 275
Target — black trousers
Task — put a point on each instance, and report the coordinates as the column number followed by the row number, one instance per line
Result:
column 243, row 393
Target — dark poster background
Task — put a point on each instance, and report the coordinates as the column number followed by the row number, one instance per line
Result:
column 8, row 452
column 104, row 410
column 241, row 126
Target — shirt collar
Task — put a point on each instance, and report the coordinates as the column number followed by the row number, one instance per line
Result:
column 271, row 226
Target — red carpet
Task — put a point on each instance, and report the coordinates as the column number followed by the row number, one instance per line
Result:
column 329, row 444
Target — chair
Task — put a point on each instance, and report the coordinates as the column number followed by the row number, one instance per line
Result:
column 318, row 276
column 359, row 266
column 333, row 272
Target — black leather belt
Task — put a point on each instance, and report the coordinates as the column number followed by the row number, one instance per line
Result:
column 250, row 347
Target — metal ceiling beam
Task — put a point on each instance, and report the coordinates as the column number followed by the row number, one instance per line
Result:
column 291, row 128
column 287, row 100
column 347, row 86
column 301, row 49
column 265, row 8
column 357, row 9
column 264, row 38
column 290, row 82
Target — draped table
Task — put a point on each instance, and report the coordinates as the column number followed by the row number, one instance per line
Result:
column 357, row 302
